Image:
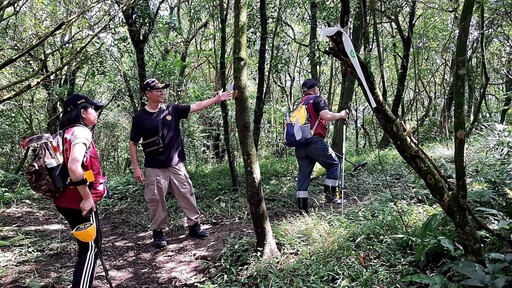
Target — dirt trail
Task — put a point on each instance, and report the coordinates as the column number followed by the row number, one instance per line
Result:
column 129, row 256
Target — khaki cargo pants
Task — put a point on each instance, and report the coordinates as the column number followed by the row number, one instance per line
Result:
column 175, row 180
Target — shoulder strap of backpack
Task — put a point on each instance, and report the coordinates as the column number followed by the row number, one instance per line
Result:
column 305, row 102
column 318, row 118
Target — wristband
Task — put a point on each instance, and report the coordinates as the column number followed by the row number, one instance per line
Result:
column 88, row 178
column 78, row 183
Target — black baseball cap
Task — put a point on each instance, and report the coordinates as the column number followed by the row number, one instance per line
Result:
column 75, row 100
column 309, row 84
column 153, row 84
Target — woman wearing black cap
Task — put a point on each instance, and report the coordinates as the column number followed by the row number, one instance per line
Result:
column 77, row 203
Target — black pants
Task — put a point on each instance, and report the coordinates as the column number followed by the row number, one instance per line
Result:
column 88, row 253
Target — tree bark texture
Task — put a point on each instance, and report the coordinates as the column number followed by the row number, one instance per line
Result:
column 465, row 230
column 223, row 105
column 264, row 238
column 313, row 40
column 348, row 81
column 140, row 22
column 260, row 89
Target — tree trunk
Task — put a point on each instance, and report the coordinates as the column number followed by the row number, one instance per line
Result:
column 140, row 22
column 264, row 238
column 508, row 98
column 485, row 75
column 223, row 104
column 471, row 89
column 260, row 89
column 448, row 101
column 191, row 35
column 404, row 66
column 348, row 81
column 313, row 40
column 277, row 147
column 466, row 231
column 453, row 203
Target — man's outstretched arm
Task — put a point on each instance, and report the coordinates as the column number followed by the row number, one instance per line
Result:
column 221, row 96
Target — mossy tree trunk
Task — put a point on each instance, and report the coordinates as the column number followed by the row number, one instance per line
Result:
column 264, row 238
column 453, row 200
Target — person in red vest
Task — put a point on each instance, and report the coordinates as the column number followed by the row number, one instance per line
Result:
column 77, row 203
column 317, row 150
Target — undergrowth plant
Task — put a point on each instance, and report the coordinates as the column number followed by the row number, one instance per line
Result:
column 390, row 233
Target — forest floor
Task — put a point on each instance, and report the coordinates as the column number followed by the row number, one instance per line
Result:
column 37, row 250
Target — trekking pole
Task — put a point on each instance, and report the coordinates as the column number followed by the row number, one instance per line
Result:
column 103, row 265
column 344, row 134
column 100, row 254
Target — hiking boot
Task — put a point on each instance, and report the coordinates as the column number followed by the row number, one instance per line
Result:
column 302, row 204
column 195, row 231
column 159, row 239
column 332, row 195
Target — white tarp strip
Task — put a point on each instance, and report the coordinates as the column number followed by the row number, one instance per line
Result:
column 328, row 31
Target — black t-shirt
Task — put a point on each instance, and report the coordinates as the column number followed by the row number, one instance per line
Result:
column 145, row 125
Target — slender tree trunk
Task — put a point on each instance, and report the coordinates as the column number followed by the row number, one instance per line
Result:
column 330, row 92
column 508, row 97
column 313, row 40
column 264, row 238
column 138, row 43
column 406, row 37
column 375, row 22
column 348, row 81
column 459, row 215
column 448, row 99
column 485, row 75
column 277, row 146
column 191, row 35
column 260, row 89
column 471, row 89
column 140, row 22
column 223, row 105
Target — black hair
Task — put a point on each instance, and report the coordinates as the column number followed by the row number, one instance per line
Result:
column 74, row 117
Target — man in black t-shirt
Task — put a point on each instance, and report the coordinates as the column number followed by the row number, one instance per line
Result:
column 158, row 126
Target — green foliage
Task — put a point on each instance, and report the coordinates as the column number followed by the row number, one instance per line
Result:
column 126, row 198
column 435, row 281
column 433, row 239
column 325, row 249
column 488, row 276
column 390, row 234
column 393, row 236
column 10, row 190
